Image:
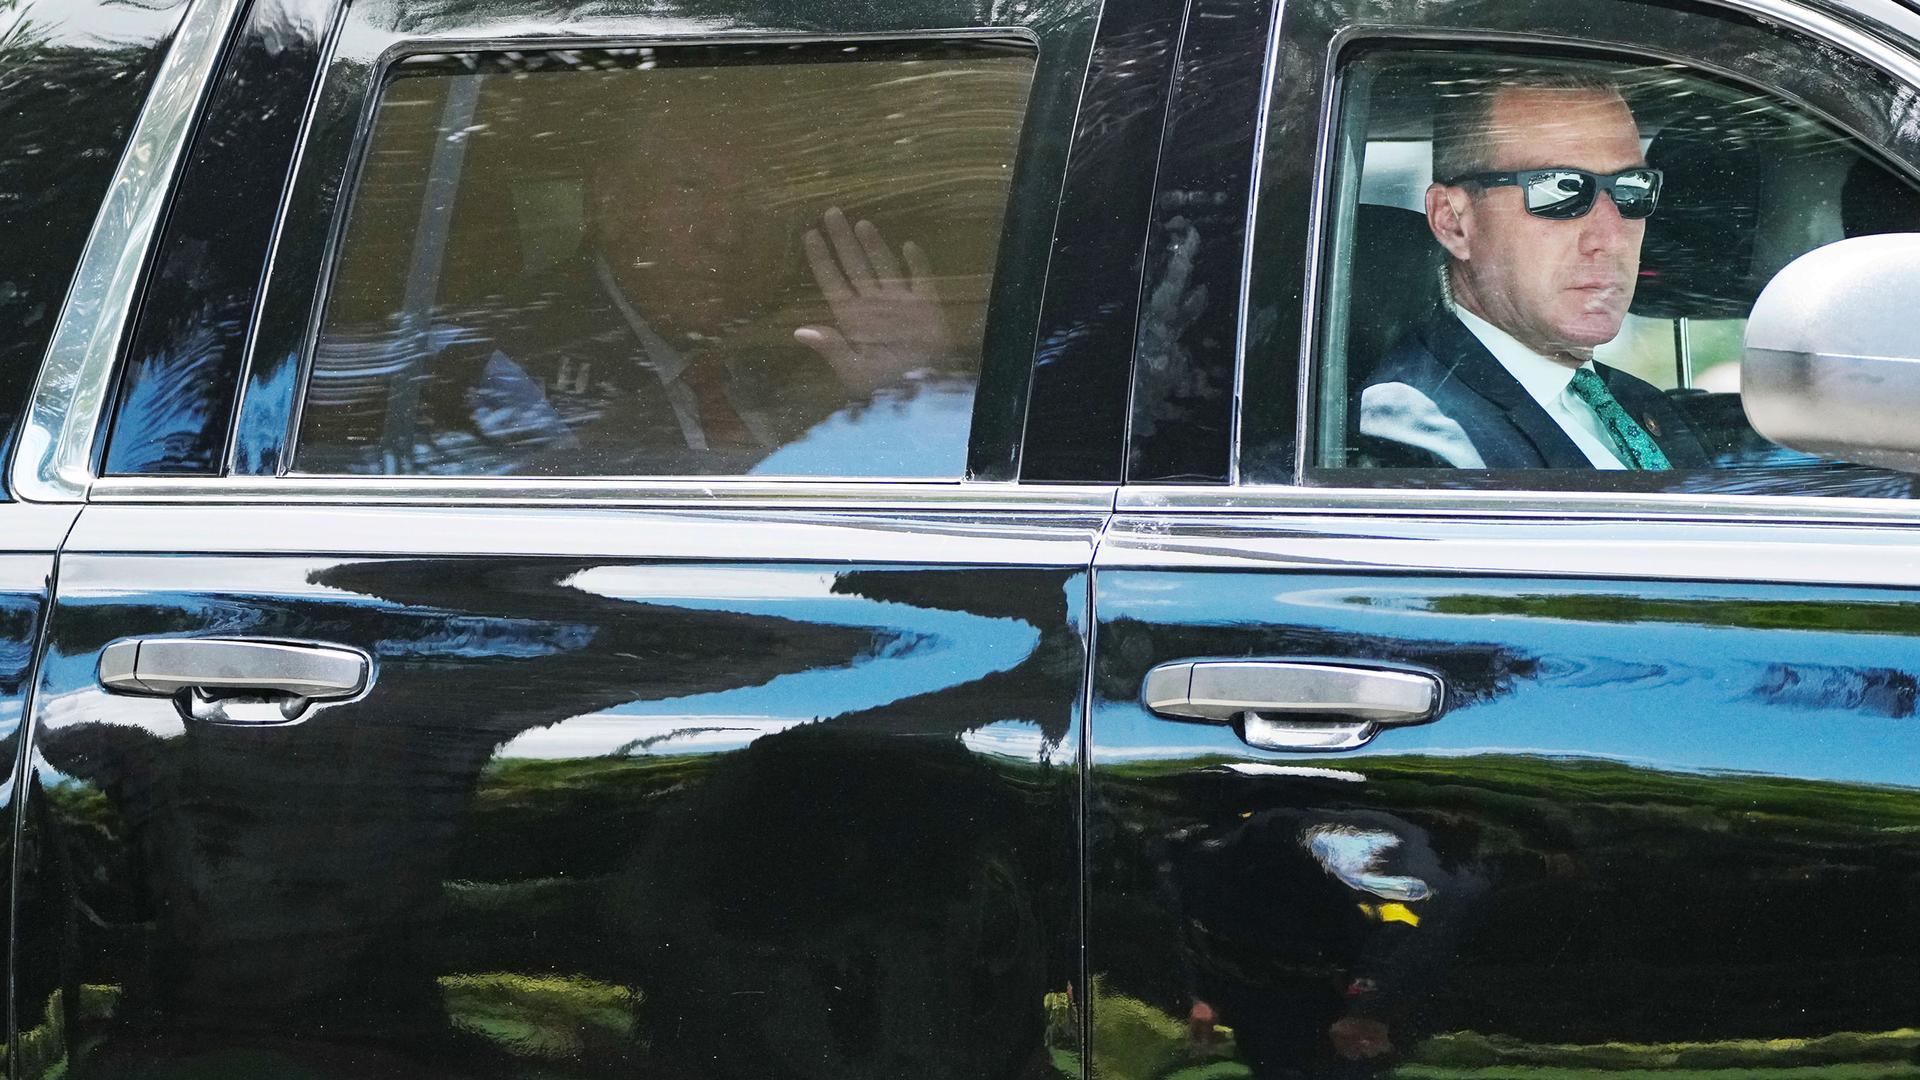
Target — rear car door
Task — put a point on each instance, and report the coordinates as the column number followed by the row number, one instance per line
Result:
column 1480, row 772
column 448, row 677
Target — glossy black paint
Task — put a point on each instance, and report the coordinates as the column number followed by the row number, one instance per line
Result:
column 1653, row 813
column 29, row 536
column 595, row 817
column 1076, row 411
column 1187, row 345
column 72, row 79
column 182, row 369
column 369, row 37
column 1841, row 88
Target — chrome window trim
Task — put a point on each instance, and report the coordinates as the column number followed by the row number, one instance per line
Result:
column 153, row 534
column 1669, row 507
column 1736, row 553
column 53, row 461
column 1900, row 65
column 614, row 492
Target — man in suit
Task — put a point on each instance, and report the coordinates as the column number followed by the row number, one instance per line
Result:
column 1540, row 202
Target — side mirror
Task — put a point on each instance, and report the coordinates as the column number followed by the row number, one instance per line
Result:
column 1832, row 363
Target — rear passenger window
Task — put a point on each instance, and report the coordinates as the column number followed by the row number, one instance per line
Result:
column 696, row 260
column 1542, row 263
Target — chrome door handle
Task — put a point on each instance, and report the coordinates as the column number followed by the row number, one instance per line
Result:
column 1294, row 704
column 222, row 674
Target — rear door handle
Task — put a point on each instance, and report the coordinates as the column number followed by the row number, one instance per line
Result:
column 222, row 674
column 1295, row 704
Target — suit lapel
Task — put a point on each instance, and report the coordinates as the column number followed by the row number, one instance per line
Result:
column 1453, row 344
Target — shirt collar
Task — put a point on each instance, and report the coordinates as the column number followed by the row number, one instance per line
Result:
column 1543, row 379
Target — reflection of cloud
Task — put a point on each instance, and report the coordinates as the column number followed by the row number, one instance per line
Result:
column 1305, row 772
column 1016, row 739
column 603, row 734
column 184, row 580
column 1354, row 855
column 648, row 584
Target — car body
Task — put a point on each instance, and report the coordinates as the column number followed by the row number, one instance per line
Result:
column 912, row 776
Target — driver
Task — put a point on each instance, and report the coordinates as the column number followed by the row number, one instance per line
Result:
column 1540, row 200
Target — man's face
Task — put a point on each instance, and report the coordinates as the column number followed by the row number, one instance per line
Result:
column 1559, row 287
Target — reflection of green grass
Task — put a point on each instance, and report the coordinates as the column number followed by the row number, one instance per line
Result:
column 1858, row 616
column 1218, row 1070
column 1470, row 1053
column 1132, row 1040
column 43, row 1048
column 1878, row 1071
column 1524, row 787
column 541, row 1017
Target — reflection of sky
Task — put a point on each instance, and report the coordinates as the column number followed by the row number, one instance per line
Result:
column 1670, row 696
column 922, row 435
column 920, row 650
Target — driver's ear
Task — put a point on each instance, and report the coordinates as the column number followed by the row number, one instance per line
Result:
column 1450, row 216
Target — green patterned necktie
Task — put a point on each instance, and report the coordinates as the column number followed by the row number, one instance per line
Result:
column 1632, row 439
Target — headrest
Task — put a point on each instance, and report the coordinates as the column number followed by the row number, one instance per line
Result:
column 1698, row 257
column 1394, row 285
column 1874, row 200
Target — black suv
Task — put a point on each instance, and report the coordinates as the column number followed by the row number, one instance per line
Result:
column 791, row 539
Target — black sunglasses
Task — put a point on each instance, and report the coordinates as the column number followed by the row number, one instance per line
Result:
column 1562, row 193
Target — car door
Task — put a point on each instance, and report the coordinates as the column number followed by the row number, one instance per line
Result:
column 403, row 754
column 1472, row 772
column 68, row 99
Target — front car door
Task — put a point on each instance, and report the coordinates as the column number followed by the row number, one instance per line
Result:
column 1473, row 772
column 447, row 678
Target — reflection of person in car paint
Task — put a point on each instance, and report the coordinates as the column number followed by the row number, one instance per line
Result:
column 1540, row 201
column 1313, row 936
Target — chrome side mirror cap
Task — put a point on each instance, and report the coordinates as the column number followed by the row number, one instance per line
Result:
column 1832, row 362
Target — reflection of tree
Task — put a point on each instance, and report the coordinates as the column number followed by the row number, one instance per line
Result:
column 1616, row 903
column 65, row 113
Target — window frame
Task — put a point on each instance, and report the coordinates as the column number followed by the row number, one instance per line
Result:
column 337, row 130
column 1298, row 196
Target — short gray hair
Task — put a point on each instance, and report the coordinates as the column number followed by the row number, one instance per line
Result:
column 1463, row 118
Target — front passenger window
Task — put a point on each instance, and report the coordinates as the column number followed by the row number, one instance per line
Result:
column 1540, row 268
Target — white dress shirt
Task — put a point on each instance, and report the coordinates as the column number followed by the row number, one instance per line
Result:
column 1548, row 382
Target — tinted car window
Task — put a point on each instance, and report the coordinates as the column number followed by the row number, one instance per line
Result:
column 72, row 79
column 764, row 260
column 1569, row 299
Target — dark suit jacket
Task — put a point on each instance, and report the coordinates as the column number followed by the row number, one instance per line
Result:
column 1447, row 365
